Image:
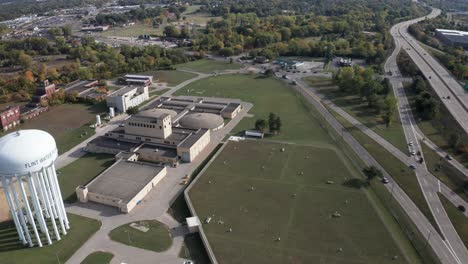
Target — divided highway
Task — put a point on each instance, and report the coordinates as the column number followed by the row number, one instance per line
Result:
column 443, row 83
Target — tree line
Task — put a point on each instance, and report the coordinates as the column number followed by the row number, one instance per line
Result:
column 274, row 124
column 375, row 91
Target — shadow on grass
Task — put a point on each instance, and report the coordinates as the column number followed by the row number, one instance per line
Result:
column 355, row 183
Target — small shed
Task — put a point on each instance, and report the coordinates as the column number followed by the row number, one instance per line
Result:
column 254, row 133
column 193, row 223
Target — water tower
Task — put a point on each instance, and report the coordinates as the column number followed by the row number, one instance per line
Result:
column 31, row 187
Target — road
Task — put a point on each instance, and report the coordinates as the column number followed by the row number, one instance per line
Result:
column 428, row 183
column 443, row 83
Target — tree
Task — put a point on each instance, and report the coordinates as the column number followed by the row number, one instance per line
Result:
column 25, row 60
column 371, row 172
column 171, row 31
column 278, row 124
column 132, row 110
column 391, row 107
column 272, row 123
column 260, row 124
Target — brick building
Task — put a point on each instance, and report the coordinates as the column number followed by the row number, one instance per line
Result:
column 44, row 91
column 10, row 117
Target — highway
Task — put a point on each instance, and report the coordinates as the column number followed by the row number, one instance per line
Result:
column 443, row 83
column 428, row 183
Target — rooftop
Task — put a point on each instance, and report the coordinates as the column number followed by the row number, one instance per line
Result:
column 124, row 179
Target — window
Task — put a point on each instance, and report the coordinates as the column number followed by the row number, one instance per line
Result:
column 121, row 136
column 138, row 138
column 160, row 127
column 147, row 139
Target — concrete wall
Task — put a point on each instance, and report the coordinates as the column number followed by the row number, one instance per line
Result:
column 133, row 202
column 196, row 148
column 98, row 149
column 161, row 128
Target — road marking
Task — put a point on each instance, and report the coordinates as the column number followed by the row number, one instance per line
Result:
column 437, row 209
column 430, row 194
column 438, row 181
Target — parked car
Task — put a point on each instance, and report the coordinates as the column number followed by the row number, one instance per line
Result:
column 412, row 166
column 448, row 157
column 385, row 180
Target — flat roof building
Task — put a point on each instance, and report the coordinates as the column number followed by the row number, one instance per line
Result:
column 127, row 97
column 122, row 185
column 453, row 38
column 133, row 79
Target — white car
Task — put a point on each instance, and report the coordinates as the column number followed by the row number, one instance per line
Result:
column 412, row 166
column 189, row 262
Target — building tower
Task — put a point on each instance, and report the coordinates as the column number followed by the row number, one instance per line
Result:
column 31, row 187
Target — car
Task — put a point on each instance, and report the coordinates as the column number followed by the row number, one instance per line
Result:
column 410, row 143
column 189, row 262
column 294, row 83
column 448, row 97
column 385, row 180
column 412, row 166
column 448, row 157
column 412, row 153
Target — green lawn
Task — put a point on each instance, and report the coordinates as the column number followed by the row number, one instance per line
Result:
column 458, row 219
column 172, row 78
column 209, row 66
column 98, row 257
column 157, row 238
column 299, row 118
column 445, row 172
column 81, row 172
column 402, row 174
column 262, row 193
column 67, row 123
column 357, row 108
column 12, row 252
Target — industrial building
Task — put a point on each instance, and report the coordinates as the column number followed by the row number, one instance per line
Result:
column 127, row 97
column 31, row 187
column 10, row 117
column 133, row 79
column 122, row 185
column 453, row 38
column 170, row 131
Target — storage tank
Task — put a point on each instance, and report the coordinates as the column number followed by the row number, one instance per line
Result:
column 27, row 160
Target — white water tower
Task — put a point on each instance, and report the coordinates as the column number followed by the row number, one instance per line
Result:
column 27, row 162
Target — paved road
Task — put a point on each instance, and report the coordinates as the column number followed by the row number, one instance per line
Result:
column 429, row 184
column 443, row 83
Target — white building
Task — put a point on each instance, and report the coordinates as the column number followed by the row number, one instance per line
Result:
column 127, row 97
column 36, row 205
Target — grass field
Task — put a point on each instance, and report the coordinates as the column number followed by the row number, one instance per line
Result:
column 458, row 219
column 172, row 78
column 157, row 238
column 268, row 95
column 403, row 175
column 358, row 108
column 209, row 65
column 263, row 194
column 81, row 229
column 81, row 172
column 67, row 123
column 132, row 31
column 98, row 257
